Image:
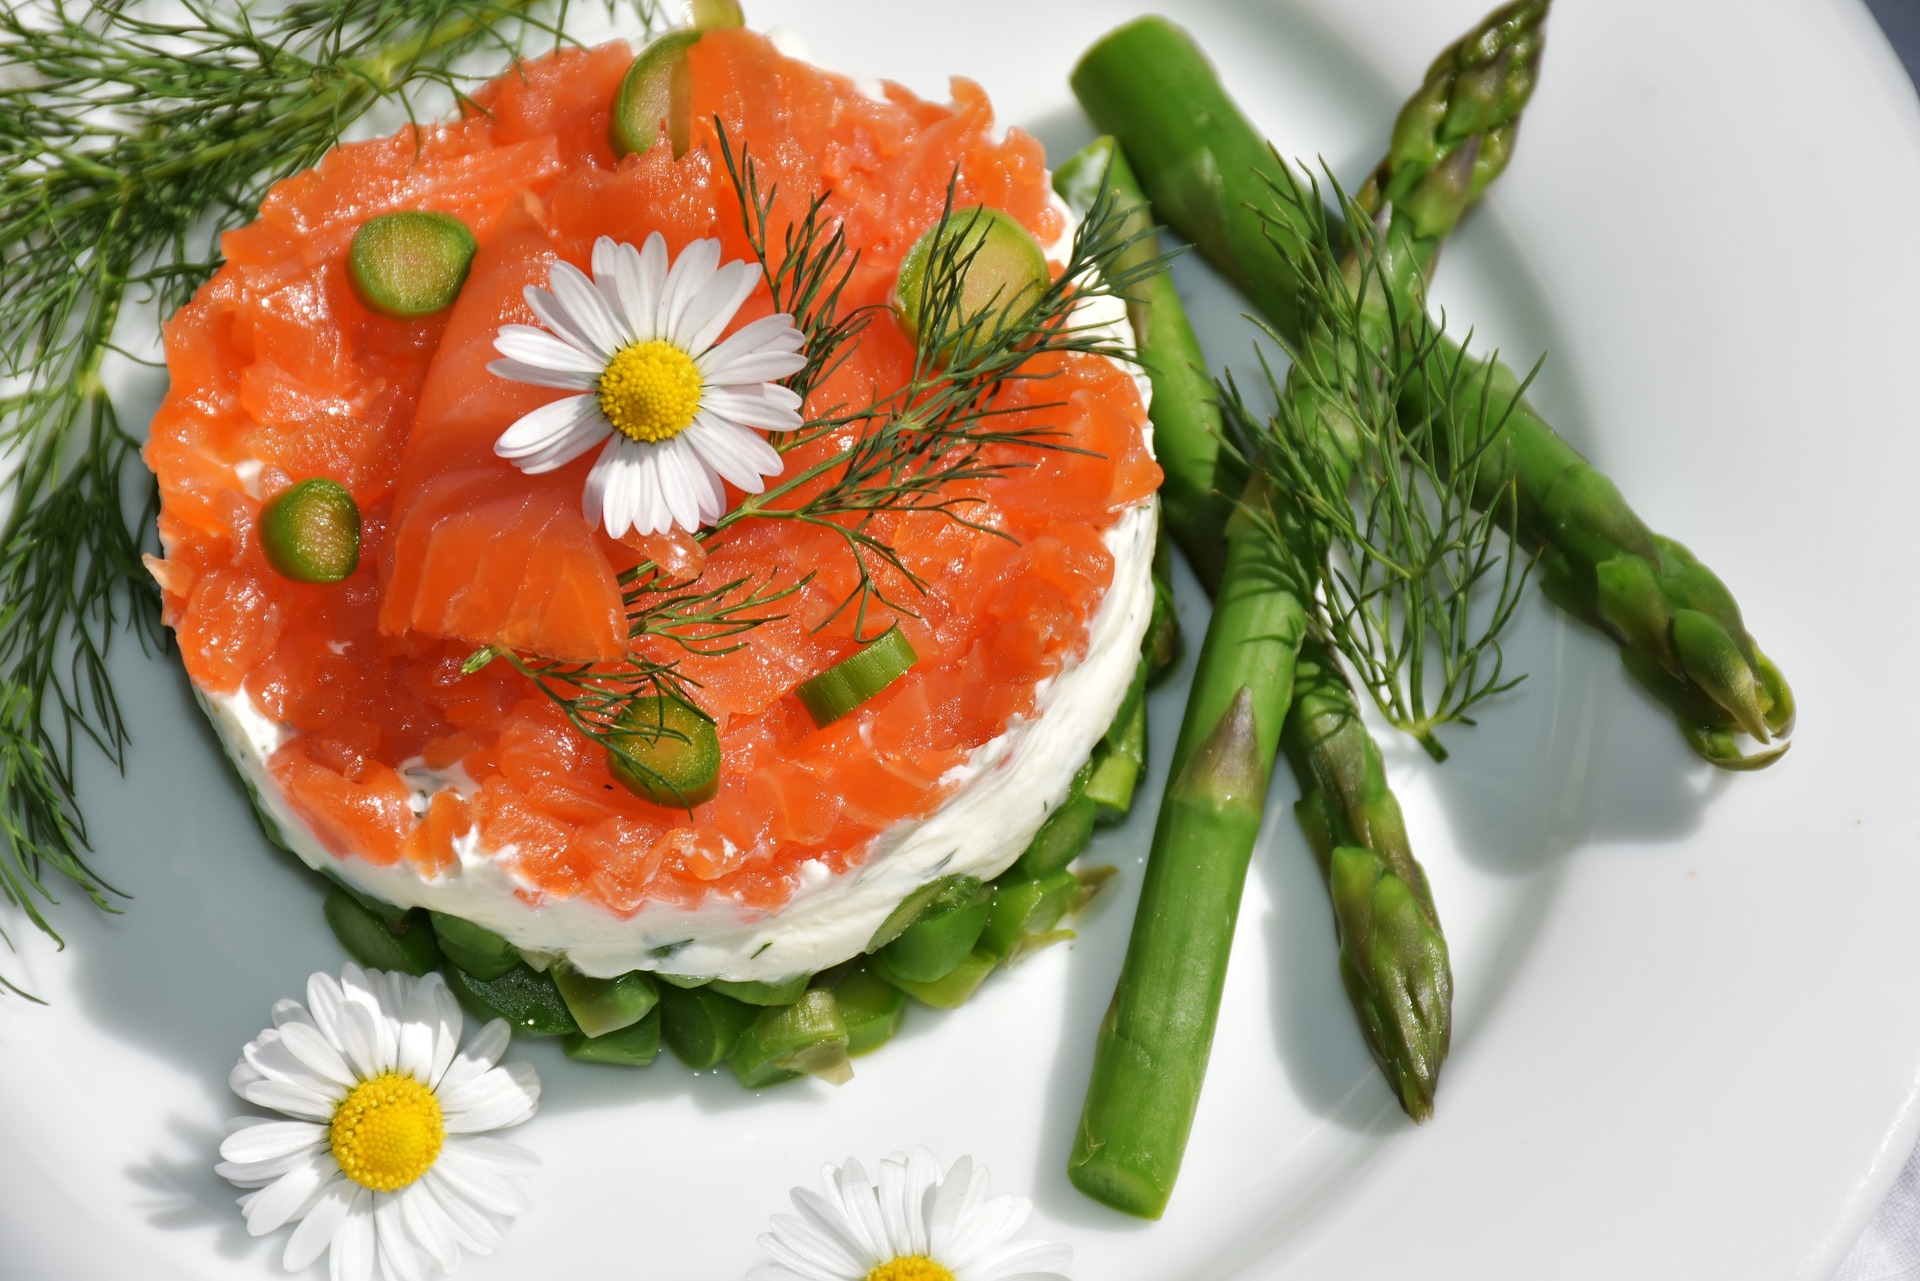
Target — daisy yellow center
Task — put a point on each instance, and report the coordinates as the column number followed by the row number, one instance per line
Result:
column 387, row 1132
column 914, row 1267
column 650, row 391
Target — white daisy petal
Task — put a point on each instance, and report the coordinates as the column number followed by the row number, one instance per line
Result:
column 284, row 1096
column 287, row 1010
column 1020, row 1259
column 708, row 313
column 365, row 1025
column 588, row 309
column 741, row 457
column 399, row 1259
column 758, row 366
column 280, row 1201
column 314, row 1233
column 476, row 1231
column 895, row 1209
column 429, row 1225
column 923, row 1175
column 264, row 1140
column 352, row 1256
column 642, row 279
column 593, row 495
column 534, row 376
column 677, row 465
column 689, row 274
column 481, row 1053
column 533, row 346
column 505, row 1096
column 316, row 1053
column 761, row 408
column 553, row 435
column 801, row 1244
column 771, row 335
column 481, row 1184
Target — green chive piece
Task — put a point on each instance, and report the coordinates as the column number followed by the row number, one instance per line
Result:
column 785, row 992
column 633, row 1046
column 809, row 1036
column 474, row 948
column 656, row 91
column 666, row 750
column 411, row 263
column 601, row 1006
column 873, row 1010
column 857, row 677
column 375, row 943
column 1117, row 764
column 524, row 997
column 311, row 532
column 931, row 948
column 701, row 1026
column 968, row 277
column 710, row 14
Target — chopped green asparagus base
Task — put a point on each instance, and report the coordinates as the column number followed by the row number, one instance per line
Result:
column 932, row 946
column 783, row 1042
column 857, row 677
column 524, row 997
column 474, row 948
column 392, row 913
column 1022, row 908
column 636, row 1045
column 410, row 263
column 873, row 1010
column 932, row 897
column 666, row 750
column 1116, row 771
column 950, row 991
column 683, row 980
column 701, row 1026
column 601, row 1006
column 785, row 992
column 1064, row 834
column 370, row 940
column 656, row 91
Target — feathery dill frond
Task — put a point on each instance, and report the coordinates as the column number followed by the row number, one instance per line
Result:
column 1415, row 584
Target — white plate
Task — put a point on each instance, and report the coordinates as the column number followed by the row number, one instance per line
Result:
column 1688, row 1022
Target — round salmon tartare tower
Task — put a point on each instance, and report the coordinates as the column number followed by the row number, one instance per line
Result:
column 438, row 724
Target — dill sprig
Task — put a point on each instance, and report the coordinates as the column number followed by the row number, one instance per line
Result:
column 126, row 146
column 913, row 450
column 1415, row 585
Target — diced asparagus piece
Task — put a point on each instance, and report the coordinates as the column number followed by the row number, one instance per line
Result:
column 931, row 897
column 410, row 263
column 808, row 1036
column 524, row 997
column 1022, row 908
column 682, row 980
column 636, row 1045
column 949, row 991
column 601, row 1006
column 370, row 940
column 701, row 1025
column 785, row 992
column 657, row 91
column 1064, row 834
column 667, row 750
column 969, row 276
column 310, row 533
column 1116, row 768
column 932, row 946
column 872, row 1009
column 474, row 948
column 1161, row 644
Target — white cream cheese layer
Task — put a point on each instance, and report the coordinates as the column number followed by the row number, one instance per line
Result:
column 997, row 800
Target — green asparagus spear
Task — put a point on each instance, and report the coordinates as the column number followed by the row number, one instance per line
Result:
column 1679, row 630
column 1393, row 959
column 1151, row 1053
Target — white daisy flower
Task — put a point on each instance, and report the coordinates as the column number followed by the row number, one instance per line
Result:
column 679, row 410
column 383, row 1160
column 912, row 1225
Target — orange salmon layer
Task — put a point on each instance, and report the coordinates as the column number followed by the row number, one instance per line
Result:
column 279, row 373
